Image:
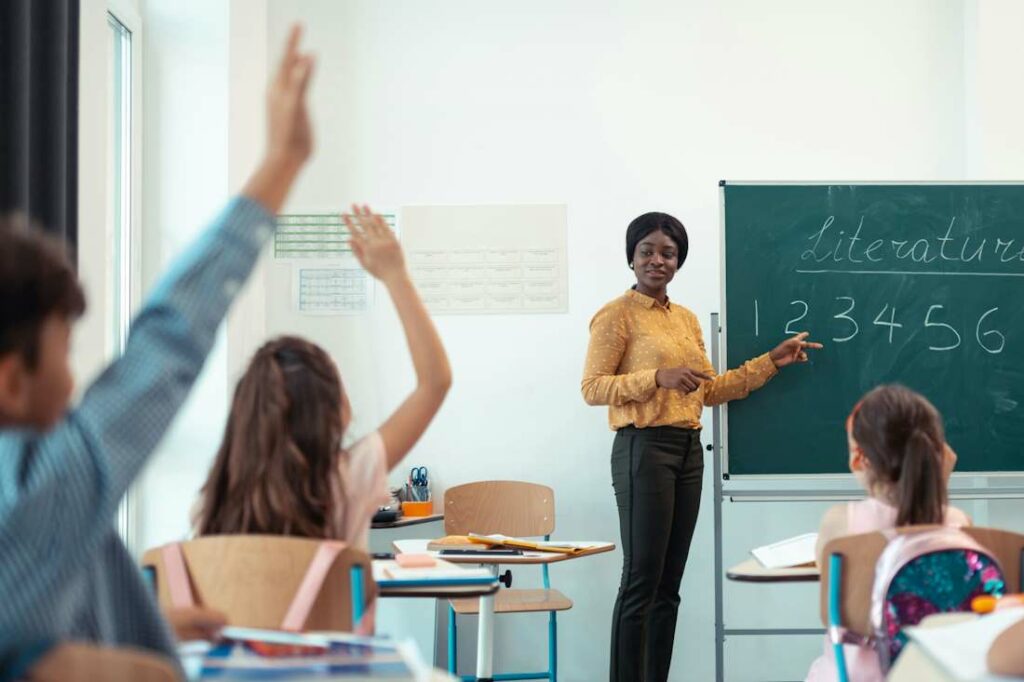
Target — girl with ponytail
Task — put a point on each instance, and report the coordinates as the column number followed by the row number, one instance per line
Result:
column 281, row 469
column 898, row 453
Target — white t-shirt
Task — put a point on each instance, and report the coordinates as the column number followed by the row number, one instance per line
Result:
column 364, row 489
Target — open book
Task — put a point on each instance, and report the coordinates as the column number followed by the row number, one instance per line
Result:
column 789, row 553
column 530, row 545
column 317, row 656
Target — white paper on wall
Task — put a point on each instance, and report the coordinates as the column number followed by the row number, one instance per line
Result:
column 488, row 259
column 320, row 235
column 330, row 290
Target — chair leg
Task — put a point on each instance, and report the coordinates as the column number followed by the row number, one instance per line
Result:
column 835, row 582
column 453, row 643
column 552, row 647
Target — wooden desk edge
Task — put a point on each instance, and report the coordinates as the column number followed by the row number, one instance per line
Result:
column 453, row 592
column 741, row 573
column 408, row 521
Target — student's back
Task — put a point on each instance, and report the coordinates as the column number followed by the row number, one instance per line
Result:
column 898, row 453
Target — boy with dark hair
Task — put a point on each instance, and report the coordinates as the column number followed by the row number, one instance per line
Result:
column 64, row 573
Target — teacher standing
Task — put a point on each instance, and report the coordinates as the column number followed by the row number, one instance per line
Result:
column 646, row 361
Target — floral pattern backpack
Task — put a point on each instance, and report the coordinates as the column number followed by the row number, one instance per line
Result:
column 921, row 573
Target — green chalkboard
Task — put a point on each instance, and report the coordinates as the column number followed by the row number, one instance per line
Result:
column 921, row 284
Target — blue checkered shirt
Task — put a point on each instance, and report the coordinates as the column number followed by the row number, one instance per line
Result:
column 64, row 573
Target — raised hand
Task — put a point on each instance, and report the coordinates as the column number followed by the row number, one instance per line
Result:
column 289, row 133
column 374, row 244
column 793, row 349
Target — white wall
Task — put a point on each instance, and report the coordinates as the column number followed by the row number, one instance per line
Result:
column 615, row 109
column 185, row 175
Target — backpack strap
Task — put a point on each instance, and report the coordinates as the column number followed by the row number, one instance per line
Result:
column 312, row 582
column 176, row 573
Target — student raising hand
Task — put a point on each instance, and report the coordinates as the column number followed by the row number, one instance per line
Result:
column 374, row 244
column 378, row 251
column 289, row 133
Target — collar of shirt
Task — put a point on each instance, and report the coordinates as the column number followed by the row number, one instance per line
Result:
column 648, row 301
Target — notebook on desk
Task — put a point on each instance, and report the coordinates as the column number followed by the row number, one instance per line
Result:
column 504, row 541
column 442, row 573
column 338, row 656
column 788, row 553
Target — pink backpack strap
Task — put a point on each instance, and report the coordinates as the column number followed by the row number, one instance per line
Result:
column 176, row 574
column 312, row 582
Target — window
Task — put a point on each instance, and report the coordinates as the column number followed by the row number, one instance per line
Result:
column 119, row 179
column 122, row 193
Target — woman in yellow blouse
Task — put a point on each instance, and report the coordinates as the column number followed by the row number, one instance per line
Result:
column 647, row 362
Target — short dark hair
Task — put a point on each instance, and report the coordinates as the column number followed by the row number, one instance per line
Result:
column 36, row 281
column 648, row 223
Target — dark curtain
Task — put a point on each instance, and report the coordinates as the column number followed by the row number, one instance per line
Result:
column 39, row 113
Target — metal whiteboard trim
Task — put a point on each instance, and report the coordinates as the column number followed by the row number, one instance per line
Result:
column 793, row 493
column 722, row 410
column 835, row 477
column 818, row 183
column 716, row 477
column 776, row 631
column 1016, row 495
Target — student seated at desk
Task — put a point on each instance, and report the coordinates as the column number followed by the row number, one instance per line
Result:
column 281, row 469
column 64, row 572
column 898, row 453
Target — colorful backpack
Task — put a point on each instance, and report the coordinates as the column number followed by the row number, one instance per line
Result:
column 920, row 573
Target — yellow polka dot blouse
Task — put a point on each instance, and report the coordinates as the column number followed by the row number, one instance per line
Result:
column 634, row 336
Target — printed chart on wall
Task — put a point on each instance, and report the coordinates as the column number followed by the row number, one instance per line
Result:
column 326, row 278
column 488, row 259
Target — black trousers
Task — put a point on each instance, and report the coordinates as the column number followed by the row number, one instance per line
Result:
column 657, row 474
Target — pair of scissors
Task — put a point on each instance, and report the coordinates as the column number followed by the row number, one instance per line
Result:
column 419, row 476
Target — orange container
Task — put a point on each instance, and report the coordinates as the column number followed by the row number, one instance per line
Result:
column 418, row 508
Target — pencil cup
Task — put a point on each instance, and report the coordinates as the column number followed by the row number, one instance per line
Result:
column 425, row 508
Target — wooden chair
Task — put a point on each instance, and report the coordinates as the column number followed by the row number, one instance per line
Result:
column 516, row 509
column 848, row 576
column 254, row 580
column 82, row 662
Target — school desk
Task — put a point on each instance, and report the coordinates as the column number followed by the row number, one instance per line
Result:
column 485, row 622
column 751, row 571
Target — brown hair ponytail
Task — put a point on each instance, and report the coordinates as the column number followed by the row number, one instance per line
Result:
column 921, row 489
column 901, row 435
column 276, row 471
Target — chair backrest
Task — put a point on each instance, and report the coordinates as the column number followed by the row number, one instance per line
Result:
column 860, row 557
column 512, row 508
column 253, row 579
column 82, row 662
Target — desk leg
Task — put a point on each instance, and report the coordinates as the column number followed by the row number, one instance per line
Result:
column 485, row 638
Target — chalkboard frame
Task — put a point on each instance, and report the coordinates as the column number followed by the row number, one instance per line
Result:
column 720, row 335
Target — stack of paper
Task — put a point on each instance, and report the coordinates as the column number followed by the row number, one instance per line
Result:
column 796, row 551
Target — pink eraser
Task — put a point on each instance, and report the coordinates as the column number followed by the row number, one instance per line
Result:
column 415, row 560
